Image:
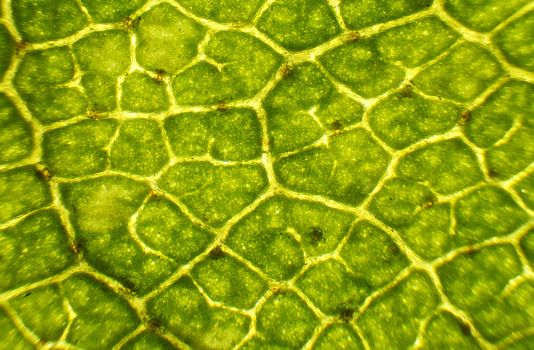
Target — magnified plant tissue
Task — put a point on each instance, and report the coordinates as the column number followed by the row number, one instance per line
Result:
column 266, row 174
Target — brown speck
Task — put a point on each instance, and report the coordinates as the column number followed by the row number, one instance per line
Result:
column 153, row 324
column 93, row 114
column 464, row 327
column 160, row 76
column 76, row 246
column 351, row 37
column 346, row 314
column 429, row 203
column 216, row 253
column 130, row 23
column 21, row 46
column 406, row 91
column 221, row 106
column 336, row 125
column 286, row 70
column 43, row 172
column 465, row 117
column 316, row 235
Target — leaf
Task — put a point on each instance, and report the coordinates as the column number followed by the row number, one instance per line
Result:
column 319, row 174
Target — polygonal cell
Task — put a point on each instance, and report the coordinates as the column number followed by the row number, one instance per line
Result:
column 347, row 170
column 43, row 69
column 333, row 289
column 78, row 149
column 147, row 340
column 286, row 320
column 100, row 90
column 406, row 117
column 515, row 41
column 479, row 284
column 139, row 149
column 7, row 49
column 102, row 317
column 514, row 155
column 343, row 336
column 141, row 93
column 303, row 105
column 224, row 11
column 106, row 52
column 214, row 193
column 43, row 311
column 525, row 190
column 10, row 337
column 102, row 56
column 463, row 74
column 166, row 39
column 231, row 135
column 266, row 237
column 527, row 245
column 361, row 67
column 402, row 309
column 491, row 121
column 227, row 280
column 415, row 43
column 359, row 14
column 299, row 24
column 447, row 332
column 485, row 213
column 446, row 167
column 372, row 255
column 400, row 200
column 21, row 191
column 185, row 312
column 45, row 20
column 100, row 210
column 104, row 11
column 40, row 79
column 162, row 226
column 239, row 74
column 429, row 232
column 15, row 134
column 34, row 249
column 482, row 16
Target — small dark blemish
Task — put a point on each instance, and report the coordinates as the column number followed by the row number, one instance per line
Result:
column 216, row 253
column 286, row 70
column 27, row 294
column 160, row 76
column 221, row 106
column 406, row 91
column 21, row 46
column 130, row 24
column 346, row 314
column 43, row 172
column 465, row 117
column 76, row 246
column 351, row 37
column 153, row 324
column 316, row 235
column 336, row 125
column 464, row 327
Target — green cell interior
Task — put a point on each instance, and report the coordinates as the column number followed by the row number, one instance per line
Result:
column 318, row 174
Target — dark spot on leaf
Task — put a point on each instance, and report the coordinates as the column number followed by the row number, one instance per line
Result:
column 43, row 172
column 221, row 106
column 216, row 253
column 153, row 324
column 315, row 235
column 464, row 327
column 465, row 117
column 160, row 76
column 346, row 314
column 351, row 37
column 286, row 70
column 336, row 125
column 27, row 294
